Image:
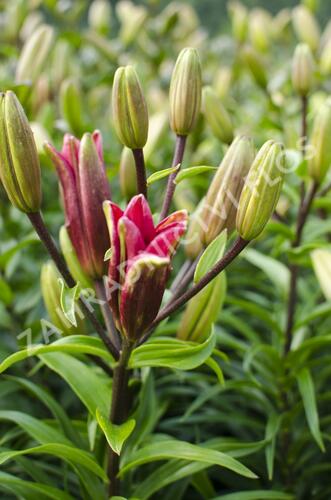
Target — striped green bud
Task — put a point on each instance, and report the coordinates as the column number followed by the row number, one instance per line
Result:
column 193, row 243
column 217, row 116
column 130, row 113
column 185, row 92
column 260, row 29
column 99, row 16
column 321, row 259
column 127, row 174
column 71, row 105
column 306, row 27
column 261, row 190
column 303, row 67
column 221, row 203
column 255, row 64
column 239, row 20
column 320, row 142
column 325, row 59
column 50, row 281
column 19, row 161
column 34, row 54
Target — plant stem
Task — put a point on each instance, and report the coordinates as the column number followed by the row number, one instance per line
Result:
column 118, row 413
column 139, row 159
column 171, row 186
column 42, row 231
column 301, row 220
column 229, row 256
column 107, row 314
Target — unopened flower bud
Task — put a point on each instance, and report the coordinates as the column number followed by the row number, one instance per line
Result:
column 185, row 92
column 321, row 260
column 306, row 27
column 261, row 190
column 129, row 108
column 61, row 64
column 70, row 256
column 239, row 19
column 256, row 66
column 99, row 16
column 303, row 70
column 325, row 59
column 217, row 116
column 221, row 203
column 193, row 243
column 320, row 141
column 71, row 105
column 311, row 4
column 34, row 54
column 51, row 292
column 132, row 18
column 260, row 29
column 19, row 161
column 127, row 174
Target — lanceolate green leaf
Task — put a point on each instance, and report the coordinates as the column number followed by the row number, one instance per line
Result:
column 71, row 344
column 257, row 495
column 62, row 451
column 116, row 435
column 29, row 490
column 167, row 449
column 91, row 388
column 189, row 172
column 307, row 391
column 172, row 353
column 161, row 174
column 69, row 297
column 277, row 272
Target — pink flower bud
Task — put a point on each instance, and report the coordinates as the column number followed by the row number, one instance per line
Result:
column 84, row 187
column 140, row 262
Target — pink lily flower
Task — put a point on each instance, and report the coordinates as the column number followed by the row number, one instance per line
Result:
column 84, row 184
column 140, row 262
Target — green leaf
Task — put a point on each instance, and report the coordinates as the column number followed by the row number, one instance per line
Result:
column 63, row 452
column 272, row 429
column 256, row 495
column 167, row 449
column 210, row 256
column 69, row 297
column 172, row 353
column 156, row 176
column 29, row 490
column 92, row 390
column 6, row 294
column 307, row 391
column 72, row 344
column 187, row 173
column 277, row 272
column 116, row 435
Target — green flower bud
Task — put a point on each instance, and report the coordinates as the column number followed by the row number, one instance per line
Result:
column 311, row 4
column 261, row 190
column 320, row 141
column 222, row 81
column 34, row 54
column 72, row 261
column 185, row 92
column 127, row 174
column 19, row 161
column 31, row 23
column 256, row 66
column 321, row 260
column 221, row 203
column 260, row 29
column 239, row 19
column 99, row 16
column 129, row 109
column 217, row 116
column 71, row 105
column 51, row 292
column 193, row 243
column 61, row 63
column 303, row 69
column 280, row 23
column 306, row 27
column 325, row 59
column 132, row 18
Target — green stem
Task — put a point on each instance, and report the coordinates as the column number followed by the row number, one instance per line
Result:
column 118, row 413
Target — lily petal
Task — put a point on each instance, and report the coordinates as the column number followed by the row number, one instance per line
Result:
column 166, row 242
column 139, row 212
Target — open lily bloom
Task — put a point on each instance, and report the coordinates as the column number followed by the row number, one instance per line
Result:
column 81, row 171
column 140, row 262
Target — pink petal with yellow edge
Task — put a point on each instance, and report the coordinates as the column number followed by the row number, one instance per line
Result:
column 165, row 243
column 142, row 293
column 180, row 216
column 139, row 212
